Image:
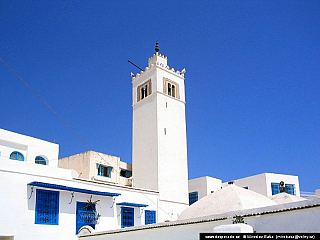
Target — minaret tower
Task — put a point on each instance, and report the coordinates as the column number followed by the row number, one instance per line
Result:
column 159, row 131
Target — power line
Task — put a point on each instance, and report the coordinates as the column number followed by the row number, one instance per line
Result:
column 68, row 125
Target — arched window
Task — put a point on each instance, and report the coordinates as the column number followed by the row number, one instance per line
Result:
column 16, row 156
column 40, row 160
column 171, row 88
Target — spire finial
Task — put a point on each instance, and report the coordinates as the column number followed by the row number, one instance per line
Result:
column 157, row 46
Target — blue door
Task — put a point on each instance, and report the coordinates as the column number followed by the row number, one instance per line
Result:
column 85, row 215
column 127, row 217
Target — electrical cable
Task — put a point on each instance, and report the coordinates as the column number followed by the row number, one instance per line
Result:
column 67, row 124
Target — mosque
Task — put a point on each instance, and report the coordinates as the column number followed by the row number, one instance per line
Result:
column 93, row 195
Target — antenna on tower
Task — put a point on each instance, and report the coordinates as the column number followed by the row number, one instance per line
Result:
column 135, row 65
column 157, row 46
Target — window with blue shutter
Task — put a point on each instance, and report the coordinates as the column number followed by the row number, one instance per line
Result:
column 193, row 197
column 47, row 207
column 275, row 188
column 150, row 217
column 290, row 189
column 85, row 215
column 127, row 217
column 104, row 171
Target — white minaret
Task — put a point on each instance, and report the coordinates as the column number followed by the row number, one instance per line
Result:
column 159, row 131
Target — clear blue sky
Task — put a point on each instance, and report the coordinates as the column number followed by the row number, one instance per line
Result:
column 252, row 80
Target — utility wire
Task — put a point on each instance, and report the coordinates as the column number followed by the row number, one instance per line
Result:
column 67, row 124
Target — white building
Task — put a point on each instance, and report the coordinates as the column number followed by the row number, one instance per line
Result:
column 47, row 198
column 43, row 197
column 267, row 184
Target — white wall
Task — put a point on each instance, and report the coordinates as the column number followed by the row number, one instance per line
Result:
column 295, row 221
column 159, row 134
column 204, row 185
column 261, row 183
column 18, row 215
column 30, row 147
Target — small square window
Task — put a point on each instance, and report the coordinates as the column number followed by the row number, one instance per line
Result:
column 104, row 171
column 150, row 217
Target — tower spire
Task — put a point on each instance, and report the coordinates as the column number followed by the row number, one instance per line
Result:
column 157, row 46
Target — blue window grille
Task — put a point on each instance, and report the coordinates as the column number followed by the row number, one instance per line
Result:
column 85, row 215
column 150, row 217
column 275, row 188
column 290, row 189
column 104, row 171
column 47, row 207
column 127, row 217
column 16, row 156
column 193, row 197
column 40, row 160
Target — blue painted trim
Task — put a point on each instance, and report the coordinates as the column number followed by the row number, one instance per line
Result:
column 72, row 189
column 127, row 217
column 38, row 203
column 132, row 204
column 150, row 217
column 40, row 160
column 17, row 156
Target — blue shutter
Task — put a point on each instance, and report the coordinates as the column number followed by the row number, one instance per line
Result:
column 85, row 215
column 127, row 217
column 150, row 217
column 47, row 207
column 275, row 188
column 109, row 169
column 290, row 189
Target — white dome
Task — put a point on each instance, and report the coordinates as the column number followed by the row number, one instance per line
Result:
column 228, row 199
column 286, row 198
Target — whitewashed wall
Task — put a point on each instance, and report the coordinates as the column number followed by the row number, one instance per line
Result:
column 296, row 221
column 204, row 185
column 18, row 214
column 30, row 147
column 261, row 183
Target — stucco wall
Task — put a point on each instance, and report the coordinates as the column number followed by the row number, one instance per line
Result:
column 204, row 185
column 86, row 164
column 29, row 147
column 295, row 221
column 18, row 215
column 261, row 183
column 159, row 134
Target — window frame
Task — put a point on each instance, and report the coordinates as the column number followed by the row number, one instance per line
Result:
column 104, row 171
column 39, row 159
column 275, row 188
column 292, row 190
column 151, row 218
column 17, row 156
column 128, row 209
column 171, row 88
column 147, row 86
column 39, row 208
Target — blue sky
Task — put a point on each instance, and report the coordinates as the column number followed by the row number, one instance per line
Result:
column 252, row 80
